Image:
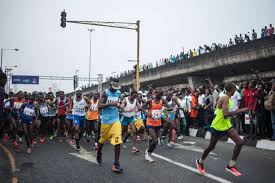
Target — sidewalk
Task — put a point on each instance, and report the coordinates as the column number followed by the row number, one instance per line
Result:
column 260, row 144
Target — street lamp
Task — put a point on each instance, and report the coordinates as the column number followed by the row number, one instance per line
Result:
column 8, row 70
column 6, row 49
column 90, row 30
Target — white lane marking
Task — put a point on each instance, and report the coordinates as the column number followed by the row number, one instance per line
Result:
column 189, row 142
column 266, row 144
column 191, row 148
column 213, row 177
column 84, row 154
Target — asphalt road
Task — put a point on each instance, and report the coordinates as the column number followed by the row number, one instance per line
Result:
column 53, row 162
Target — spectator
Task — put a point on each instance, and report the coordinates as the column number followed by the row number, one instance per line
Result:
column 190, row 54
column 263, row 33
column 208, row 108
column 201, row 104
column 236, row 99
column 207, row 49
column 254, row 35
column 246, row 37
column 252, row 103
column 194, row 108
column 200, row 50
column 231, row 43
column 195, row 53
column 270, row 30
column 273, row 111
column 241, row 39
column 236, row 39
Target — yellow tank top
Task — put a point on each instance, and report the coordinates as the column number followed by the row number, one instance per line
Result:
column 220, row 123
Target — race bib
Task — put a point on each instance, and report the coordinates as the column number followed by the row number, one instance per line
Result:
column 28, row 111
column 17, row 105
column 79, row 109
column 246, row 119
column 111, row 100
column 44, row 110
column 93, row 107
column 156, row 114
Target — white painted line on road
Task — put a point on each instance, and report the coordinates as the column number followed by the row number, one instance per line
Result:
column 191, row 148
column 84, row 154
column 266, row 144
column 189, row 142
column 230, row 141
column 213, row 177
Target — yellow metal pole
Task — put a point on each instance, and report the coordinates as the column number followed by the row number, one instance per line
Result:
column 138, row 48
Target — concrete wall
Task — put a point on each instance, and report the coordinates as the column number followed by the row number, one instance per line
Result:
column 194, row 69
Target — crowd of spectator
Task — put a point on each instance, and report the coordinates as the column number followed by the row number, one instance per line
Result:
column 199, row 107
column 265, row 32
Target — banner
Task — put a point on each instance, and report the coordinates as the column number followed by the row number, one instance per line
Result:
column 20, row 79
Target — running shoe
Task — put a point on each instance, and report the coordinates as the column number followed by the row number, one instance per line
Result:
column 233, row 170
column 72, row 142
column 148, row 157
column 20, row 140
column 51, row 137
column 99, row 157
column 96, row 147
column 159, row 141
column 29, row 151
column 180, row 137
column 169, row 144
column 117, row 168
column 135, row 150
column 42, row 140
column 200, row 167
column 15, row 145
column 78, row 147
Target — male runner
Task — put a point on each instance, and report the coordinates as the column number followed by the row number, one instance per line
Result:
column 79, row 104
column 222, row 126
column 129, row 107
column 27, row 113
column 93, row 123
column 110, row 124
column 61, row 101
column 153, row 123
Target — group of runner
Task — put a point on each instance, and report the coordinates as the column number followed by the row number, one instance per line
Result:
column 111, row 116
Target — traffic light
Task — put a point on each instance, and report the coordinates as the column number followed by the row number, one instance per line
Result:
column 75, row 82
column 63, row 19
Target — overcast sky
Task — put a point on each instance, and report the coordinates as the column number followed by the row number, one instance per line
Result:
column 33, row 26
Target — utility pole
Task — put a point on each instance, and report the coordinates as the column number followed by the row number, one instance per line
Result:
column 90, row 57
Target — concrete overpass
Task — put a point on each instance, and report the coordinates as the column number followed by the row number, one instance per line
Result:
column 234, row 63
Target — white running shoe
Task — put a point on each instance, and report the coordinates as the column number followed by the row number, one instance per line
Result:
column 169, row 144
column 148, row 157
column 159, row 141
column 180, row 137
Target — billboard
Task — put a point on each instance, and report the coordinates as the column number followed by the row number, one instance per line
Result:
column 21, row 79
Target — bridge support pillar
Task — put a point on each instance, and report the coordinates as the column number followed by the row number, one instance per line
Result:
column 194, row 81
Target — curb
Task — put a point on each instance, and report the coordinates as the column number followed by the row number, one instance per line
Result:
column 12, row 163
column 260, row 144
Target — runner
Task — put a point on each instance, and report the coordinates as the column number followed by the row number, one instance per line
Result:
column 129, row 107
column 69, row 121
column 110, row 124
column 61, row 125
column 27, row 114
column 221, row 126
column 15, row 124
column 79, row 104
column 42, row 123
column 52, row 104
column 93, row 124
column 154, row 121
